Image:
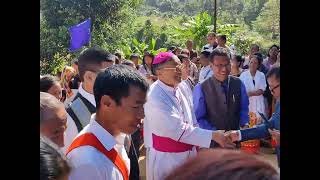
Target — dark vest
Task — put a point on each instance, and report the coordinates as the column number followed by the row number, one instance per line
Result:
column 80, row 109
column 223, row 112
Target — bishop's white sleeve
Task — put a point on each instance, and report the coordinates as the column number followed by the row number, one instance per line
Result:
column 165, row 121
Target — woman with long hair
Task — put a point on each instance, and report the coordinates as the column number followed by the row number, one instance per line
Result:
column 66, row 77
column 236, row 63
column 51, row 85
column 146, row 67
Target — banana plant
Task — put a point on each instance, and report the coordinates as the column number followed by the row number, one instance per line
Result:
column 197, row 29
column 139, row 47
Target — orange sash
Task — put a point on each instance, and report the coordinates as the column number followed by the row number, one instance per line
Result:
column 89, row 139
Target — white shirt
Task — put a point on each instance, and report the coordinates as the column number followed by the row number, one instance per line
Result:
column 205, row 73
column 165, row 116
column 208, row 47
column 246, row 61
column 89, row 163
column 72, row 131
column 256, row 103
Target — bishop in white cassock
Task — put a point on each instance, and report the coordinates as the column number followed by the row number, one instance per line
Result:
column 171, row 133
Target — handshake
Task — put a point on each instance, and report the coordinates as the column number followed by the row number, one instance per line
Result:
column 225, row 139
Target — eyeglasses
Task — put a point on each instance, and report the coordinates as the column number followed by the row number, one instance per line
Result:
column 220, row 66
column 272, row 90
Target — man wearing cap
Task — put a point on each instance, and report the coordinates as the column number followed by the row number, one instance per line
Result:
column 171, row 134
column 221, row 101
column 90, row 62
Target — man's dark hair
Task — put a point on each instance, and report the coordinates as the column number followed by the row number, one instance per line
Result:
column 53, row 165
column 118, row 55
column 127, row 62
column 259, row 57
column 206, row 53
column 186, row 52
column 182, row 56
column 223, row 37
column 213, row 34
column 91, row 59
column 239, row 59
column 134, row 56
column 172, row 48
column 115, row 82
column 256, row 46
column 75, row 61
column 219, row 52
column 278, row 48
column 224, row 164
column 274, row 71
column 47, row 81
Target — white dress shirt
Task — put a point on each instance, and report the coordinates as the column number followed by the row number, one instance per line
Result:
column 72, row 131
column 256, row 103
column 165, row 116
column 89, row 163
column 205, row 73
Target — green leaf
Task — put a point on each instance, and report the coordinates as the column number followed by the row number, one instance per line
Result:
column 152, row 44
column 135, row 42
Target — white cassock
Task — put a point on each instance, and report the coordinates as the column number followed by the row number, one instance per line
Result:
column 172, row 119
column 256, row 103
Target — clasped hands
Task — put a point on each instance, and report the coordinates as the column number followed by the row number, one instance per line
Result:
column 224, row 139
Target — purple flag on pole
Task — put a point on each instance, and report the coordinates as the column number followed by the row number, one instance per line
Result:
column 80, row 35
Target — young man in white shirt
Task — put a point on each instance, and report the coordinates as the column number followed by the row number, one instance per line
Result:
column 206, row 70
column 90, row 62
column 171, row 132
column 98, row 151
column 212, row 42
column 222, row 40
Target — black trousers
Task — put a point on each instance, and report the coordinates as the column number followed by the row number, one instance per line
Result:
column 134, row 155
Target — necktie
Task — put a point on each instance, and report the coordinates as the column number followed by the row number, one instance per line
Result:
column 224, row 90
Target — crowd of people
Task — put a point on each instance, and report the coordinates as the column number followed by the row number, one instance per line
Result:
column 185, row 111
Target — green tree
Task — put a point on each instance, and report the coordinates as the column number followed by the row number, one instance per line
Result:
column 268, row 22
column 110, row 24
column 251, row 11
column 197, row 28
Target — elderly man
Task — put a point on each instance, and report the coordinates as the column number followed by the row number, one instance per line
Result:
column 170, row 127
column 53, row 118
column 221, row 101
